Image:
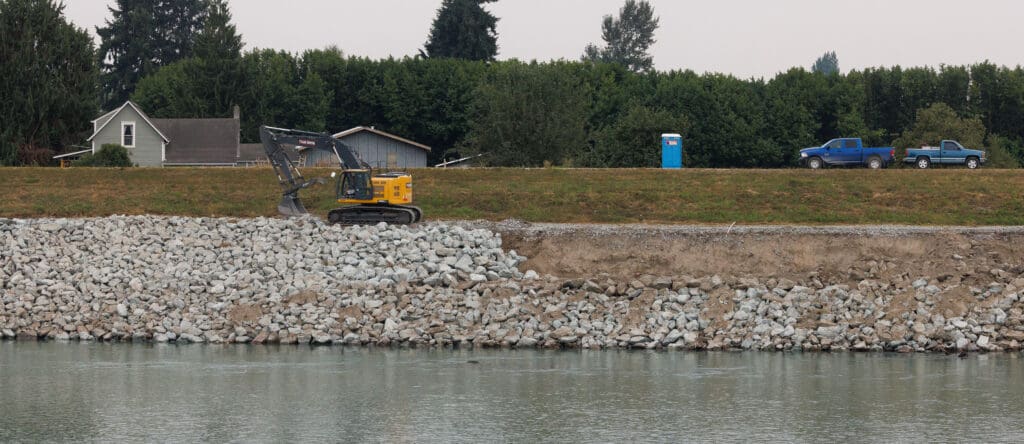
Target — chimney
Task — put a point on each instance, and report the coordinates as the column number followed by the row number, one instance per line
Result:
column 238, row 137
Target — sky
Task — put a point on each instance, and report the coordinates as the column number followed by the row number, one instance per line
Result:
column 746, row 38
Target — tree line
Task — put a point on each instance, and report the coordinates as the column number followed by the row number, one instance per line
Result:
column 607, row 109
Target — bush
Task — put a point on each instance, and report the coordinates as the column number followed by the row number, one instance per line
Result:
column 109, row 155
column 1001, row 153
column 31, row 155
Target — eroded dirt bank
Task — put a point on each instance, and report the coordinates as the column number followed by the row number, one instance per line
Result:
column 830, row 255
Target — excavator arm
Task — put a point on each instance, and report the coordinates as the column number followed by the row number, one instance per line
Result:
column 288, row 175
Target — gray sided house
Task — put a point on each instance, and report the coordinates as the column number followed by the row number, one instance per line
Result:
column 168, row 142
column 130, row 127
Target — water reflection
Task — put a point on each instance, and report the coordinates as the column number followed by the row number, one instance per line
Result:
column 82, row 392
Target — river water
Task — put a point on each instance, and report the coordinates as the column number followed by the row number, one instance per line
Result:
column 128, row 393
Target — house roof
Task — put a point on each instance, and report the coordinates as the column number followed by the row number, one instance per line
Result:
column 109, row 117
column 102, row 120
column 200, row 141
column 378, row 132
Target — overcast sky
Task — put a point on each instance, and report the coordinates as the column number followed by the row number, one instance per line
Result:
column 748, row 38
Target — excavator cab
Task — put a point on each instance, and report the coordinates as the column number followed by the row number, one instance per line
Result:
column 355, row 186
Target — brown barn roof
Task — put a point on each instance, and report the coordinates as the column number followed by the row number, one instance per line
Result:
column 200, row 141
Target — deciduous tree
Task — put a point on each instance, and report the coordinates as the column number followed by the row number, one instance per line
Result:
column 526, row 115
column 827, row 64
column 939, row 122
column 627, row 38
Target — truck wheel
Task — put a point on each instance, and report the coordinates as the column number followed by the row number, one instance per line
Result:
column 972, row 163
column 815, row 163
column 875, row 163
column 923, row 163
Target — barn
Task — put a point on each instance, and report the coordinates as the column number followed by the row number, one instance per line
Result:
column 378, row 149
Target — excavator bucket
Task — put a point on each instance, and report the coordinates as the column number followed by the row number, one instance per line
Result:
column 291, row 206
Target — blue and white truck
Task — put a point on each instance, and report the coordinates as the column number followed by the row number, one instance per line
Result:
column 846, row 151
column 949, row 152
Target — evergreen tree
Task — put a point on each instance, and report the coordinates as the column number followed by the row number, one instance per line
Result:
column 465, row 30
column 628, row 38
column 219, row 38
column 209, row 84
column 218, row 54
column 178, row 23
column 143, row 36
column 48, row 81
column 827, row 64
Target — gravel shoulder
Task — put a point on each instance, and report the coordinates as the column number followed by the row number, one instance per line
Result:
column 541, row 229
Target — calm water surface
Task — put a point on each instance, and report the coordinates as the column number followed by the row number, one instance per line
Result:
column 129, row 393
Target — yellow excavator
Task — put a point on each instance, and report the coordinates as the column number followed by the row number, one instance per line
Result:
column 367, row 199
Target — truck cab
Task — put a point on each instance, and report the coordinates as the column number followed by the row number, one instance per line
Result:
column 949, row 152
column 846, row 151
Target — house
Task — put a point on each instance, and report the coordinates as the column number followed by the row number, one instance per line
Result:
column 169, row 142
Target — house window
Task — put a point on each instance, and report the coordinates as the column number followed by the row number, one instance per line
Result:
column 128, row 134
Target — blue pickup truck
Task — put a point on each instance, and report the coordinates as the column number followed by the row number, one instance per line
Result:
column 949, row 152
column 848, row 151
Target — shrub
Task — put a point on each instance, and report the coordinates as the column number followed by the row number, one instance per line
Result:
column 109, row 155
column 1001, row 153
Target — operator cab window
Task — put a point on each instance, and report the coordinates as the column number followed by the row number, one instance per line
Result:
column 835, row 144
column 950, row 146
column 849, row 143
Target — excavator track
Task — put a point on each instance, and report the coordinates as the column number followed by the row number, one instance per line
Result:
column 374, row 214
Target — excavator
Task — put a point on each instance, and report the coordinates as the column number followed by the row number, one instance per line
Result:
column 367, row 199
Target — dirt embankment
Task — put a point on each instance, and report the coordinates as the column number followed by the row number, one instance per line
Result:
column 832, row 255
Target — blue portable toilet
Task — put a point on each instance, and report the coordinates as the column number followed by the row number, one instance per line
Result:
column 671, row 151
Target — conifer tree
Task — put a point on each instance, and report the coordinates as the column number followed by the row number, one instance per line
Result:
column 142, row 36
column 48, row 81
column 465, row 30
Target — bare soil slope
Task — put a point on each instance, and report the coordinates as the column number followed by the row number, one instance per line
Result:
column 838, row 255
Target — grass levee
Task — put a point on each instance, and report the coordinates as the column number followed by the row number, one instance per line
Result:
column 854, row 196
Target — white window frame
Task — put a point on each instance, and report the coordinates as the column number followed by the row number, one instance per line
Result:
column 135, row 134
